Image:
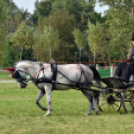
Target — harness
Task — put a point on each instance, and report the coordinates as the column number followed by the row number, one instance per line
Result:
column 53, row 81
column 47, row 80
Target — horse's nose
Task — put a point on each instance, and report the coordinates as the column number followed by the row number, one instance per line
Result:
column 22, row 85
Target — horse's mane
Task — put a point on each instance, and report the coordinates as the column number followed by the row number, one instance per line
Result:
column 24, row 61
column 28, row 61
column 40, row 63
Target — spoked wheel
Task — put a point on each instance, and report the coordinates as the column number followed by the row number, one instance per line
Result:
column 128, row 100
column 110, row 102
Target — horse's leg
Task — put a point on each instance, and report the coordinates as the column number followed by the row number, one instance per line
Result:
column 95, row 101
column 40, row 95
column 48, row 88
column 90, row 99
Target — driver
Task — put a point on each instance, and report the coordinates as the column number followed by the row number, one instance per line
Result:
column 125, row 69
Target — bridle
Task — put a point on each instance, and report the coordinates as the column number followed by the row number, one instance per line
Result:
column 17, row 75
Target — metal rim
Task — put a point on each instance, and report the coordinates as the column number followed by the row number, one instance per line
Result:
column 128, row 100
column 111, row 102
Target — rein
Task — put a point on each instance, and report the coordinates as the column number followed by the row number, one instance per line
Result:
column 35, row 74
column 12, row 73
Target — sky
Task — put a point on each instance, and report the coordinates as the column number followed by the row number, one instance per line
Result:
column 29, row 4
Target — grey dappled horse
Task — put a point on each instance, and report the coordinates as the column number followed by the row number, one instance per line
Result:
column 68, row 74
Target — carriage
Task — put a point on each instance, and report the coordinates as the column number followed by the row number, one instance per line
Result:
column 124, row 96
column 50, row 76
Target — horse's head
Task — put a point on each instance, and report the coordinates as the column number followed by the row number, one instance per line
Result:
column 24, row 69
column 19, row 75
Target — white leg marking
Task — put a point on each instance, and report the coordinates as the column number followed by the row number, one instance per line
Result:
column 90, row 108
column 95, row 101
column 48, row 88
column 89, row 97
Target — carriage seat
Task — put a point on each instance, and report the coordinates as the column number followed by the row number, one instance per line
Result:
column 116, row 82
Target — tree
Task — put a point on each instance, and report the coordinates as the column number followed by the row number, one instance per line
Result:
column 23, row 38
column 11, row 54
column 11, row 11
column 120, row 25
column 40, row 51
column 7, row 13
column 81, row 9
column 3, row 27
column 42, row 9
column 72, row 6
column 94, row 38
column 79, row 40
column 24, row 15
column 51, row 38
column 64, row 25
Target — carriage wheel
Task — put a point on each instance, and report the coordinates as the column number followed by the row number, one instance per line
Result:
column 110, row 102
column 128, row 100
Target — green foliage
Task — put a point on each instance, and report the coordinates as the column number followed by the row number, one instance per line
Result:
column 44, row 8
column 51, row 38
column 106, row 34
column 81, row 9
column 24, row 14
column 120, row 27
column 73, row 7
column 64, row 24
column 3, row 29
column 23, row 38
column 79, row 40
column 94, row 38
column 38, row 46
column 11, row 54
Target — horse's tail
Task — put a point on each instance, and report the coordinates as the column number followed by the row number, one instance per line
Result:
column 97, row 76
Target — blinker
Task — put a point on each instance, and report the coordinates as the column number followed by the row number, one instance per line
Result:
column 16, row 74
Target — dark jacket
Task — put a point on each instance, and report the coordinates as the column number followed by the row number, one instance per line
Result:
column 131, row 53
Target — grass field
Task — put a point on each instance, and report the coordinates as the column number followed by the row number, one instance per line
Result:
column 5, row 76
column 20, row 115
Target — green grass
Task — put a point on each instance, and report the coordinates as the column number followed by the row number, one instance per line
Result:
column 20, row 115
column 5, row 76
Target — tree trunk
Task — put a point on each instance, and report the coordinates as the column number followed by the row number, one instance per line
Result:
column 50, row 52
column 94, row 55
column 37, row 55
column 21, row 51
column 80, row 54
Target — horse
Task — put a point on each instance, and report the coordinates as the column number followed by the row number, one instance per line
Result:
column 50, row 76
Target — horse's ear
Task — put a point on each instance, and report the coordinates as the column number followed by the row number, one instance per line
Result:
column 52, row 61
column 10, row 69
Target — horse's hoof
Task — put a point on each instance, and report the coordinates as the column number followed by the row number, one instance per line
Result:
column 88, row 114
column 47, row 114
column 97, row 112
column 44, row 109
